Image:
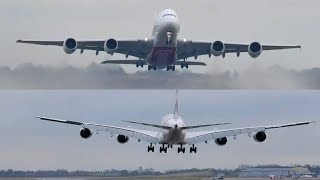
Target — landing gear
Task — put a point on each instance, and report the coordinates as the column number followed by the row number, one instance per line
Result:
column 152, row 67
column 139, row 63
column 186, row 65
column 164, row 149
column 170, row 146
column 171, row 67
column 181, row 149
column 151, row 148
column 193, row 149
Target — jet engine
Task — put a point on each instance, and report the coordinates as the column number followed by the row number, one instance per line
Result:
column 217, row 48
column 122, row 139
column 254, row 49
column 70, row 46
column 110, row 46
column 221, row 141
column 85, row 133
column 260, row 136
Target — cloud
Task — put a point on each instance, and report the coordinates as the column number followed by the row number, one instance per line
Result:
column 96, row 76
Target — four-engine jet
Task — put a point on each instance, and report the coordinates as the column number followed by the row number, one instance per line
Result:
column 174, row 131
column 163, row 50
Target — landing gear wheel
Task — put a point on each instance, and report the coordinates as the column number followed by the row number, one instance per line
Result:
column 173, row 68
column 168, row 68
column 193, row 149
column 149, row 67
column 154, row 68
column 182, row 66
column 187, row 65
column 164, row 149
column 181, row 149
column 151, row 148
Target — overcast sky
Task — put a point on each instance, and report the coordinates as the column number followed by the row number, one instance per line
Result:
column 269, row 22
column 28, row 143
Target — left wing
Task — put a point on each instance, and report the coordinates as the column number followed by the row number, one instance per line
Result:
column 197, row 137
column 148, row 136
column 187, row 49
column 135, row 48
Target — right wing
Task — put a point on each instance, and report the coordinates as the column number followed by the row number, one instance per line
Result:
column 197, row 137
column 147, row 136
column 135, row 48
column 187, row 49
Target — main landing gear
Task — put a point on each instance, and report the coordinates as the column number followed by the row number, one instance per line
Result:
column 172, row 67
column 193, row 149
column 151, row 148
column 181, row 149
column 152, row 67
column 139, row 63
column 184, row 65
column 164, row 149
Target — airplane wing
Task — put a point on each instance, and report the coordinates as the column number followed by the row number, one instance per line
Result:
column 134, row 62
column 197, row 137
column 147, row 136
column 135, row 48
column 187, row 49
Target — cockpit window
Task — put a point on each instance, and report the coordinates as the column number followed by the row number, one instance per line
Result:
column 169, row 15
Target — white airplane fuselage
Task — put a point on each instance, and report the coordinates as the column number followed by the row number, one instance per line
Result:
column 175, row 135
column 165, row 34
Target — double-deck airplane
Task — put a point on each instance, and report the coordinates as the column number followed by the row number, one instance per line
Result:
column 163, row 49
column 174, row 131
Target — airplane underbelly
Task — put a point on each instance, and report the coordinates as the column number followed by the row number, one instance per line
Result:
column 173, row 137
column 163, row 56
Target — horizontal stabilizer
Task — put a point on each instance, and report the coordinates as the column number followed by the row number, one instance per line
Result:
column 133, row 62
column 191, row 63
column 151, row 125
column 203, row 125
column 60, row 121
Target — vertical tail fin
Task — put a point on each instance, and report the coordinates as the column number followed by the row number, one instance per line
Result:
column 176, row 106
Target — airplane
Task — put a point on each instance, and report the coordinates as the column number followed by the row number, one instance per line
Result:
column 174, row 131
column 163, row 50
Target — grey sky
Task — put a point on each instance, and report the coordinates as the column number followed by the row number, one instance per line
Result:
column 270, row 22
column 31, row 144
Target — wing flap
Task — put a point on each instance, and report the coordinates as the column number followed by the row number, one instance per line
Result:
column 132, row 62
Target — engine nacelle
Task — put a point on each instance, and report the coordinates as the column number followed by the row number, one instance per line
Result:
column 122, row 139
column 110, row 46
column 70, row 46
column 221, row 141
column 85, row 133
column 217, row 48
column 254, row 49
column 260, row 136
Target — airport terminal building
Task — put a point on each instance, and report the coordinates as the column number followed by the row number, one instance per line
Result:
column 275, row 171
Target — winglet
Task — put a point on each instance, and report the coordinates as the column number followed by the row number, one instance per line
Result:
column 176, row 106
